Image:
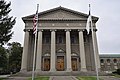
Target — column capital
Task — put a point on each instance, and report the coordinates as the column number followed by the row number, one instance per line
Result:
column 67, row 30
column 26, row 30
column 94, row 30
column 53, row 30
column 81, row 30
column 40, row 30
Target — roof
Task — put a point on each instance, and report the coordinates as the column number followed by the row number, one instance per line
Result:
column 60, row 8
column 109, row 55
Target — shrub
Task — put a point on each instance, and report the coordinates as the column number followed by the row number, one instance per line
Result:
column 117, row 71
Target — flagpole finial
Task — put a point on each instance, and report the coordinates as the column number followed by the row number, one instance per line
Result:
column 37, row 6
column 89, row 5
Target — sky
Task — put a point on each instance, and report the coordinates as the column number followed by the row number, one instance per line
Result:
column 108, row 25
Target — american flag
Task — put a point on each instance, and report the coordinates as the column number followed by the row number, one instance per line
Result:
column 89, row 21
column 35, row 22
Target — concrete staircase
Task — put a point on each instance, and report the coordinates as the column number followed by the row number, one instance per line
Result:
column 60, row 73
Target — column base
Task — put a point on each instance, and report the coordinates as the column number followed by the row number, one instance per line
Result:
column 84, row 69
column 23, row 71
column 38, row 70
column 52, row 70
column 99, row 69
column 69, row 69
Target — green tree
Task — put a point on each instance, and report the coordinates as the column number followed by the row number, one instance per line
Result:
column 15, row 56
column 6, row 22
column 3, row 59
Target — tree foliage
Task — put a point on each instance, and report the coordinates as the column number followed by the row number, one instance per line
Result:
column 6, row 22
column 10, row 58
column 15, row 56
column 3, row 58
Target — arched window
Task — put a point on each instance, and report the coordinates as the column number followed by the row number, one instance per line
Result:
column 102, row 61
column 115, row 60
column 108, row 60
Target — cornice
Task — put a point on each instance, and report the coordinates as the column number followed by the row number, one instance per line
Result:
column 30, row 19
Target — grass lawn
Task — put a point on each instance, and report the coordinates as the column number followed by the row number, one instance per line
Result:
column 40, row 78
column 87, row 78
column 116, row 75
column 2, row 78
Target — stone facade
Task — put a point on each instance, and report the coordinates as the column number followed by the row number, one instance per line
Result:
column 109, row 62
column 62, row 43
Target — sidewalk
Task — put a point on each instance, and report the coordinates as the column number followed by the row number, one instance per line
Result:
column 4, row 76
column 17, row 78
column 58, row 78
column 109, row 78
column 62, row 78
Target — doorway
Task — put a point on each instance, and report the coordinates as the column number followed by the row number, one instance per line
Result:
column 60, row 63
column 46, row 64
column 74, row 64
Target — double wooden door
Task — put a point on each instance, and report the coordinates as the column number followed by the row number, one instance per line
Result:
column 60, row 63
column 46, row 64
column 74, row 64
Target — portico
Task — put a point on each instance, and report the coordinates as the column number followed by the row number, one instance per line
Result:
column 62, row 43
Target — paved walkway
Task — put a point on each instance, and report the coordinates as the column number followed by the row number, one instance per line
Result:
column 109, row 78
column 62, row 78
column 4, row 76
column 17, row 78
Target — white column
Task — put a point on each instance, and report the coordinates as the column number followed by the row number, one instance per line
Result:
column 96, row 49
column 82, row 51
column 52, row 64
column 25, row 52
column 39, row 51
column 68, row 51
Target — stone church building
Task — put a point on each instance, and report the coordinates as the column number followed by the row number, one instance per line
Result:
column 62, row 42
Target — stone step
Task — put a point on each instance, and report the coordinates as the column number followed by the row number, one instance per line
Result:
column 60, row 73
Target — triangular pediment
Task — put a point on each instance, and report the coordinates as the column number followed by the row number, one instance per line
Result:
column 60, row 13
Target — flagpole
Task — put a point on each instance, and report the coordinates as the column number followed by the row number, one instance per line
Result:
column 35, row 45
column 94, row 48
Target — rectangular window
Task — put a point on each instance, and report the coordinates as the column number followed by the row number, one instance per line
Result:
column 47, row 40
column 60, row 40
column 72, row 39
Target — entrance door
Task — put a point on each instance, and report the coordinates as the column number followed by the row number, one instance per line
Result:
column 60, row 63
column 74, row 64
column 46, row 64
